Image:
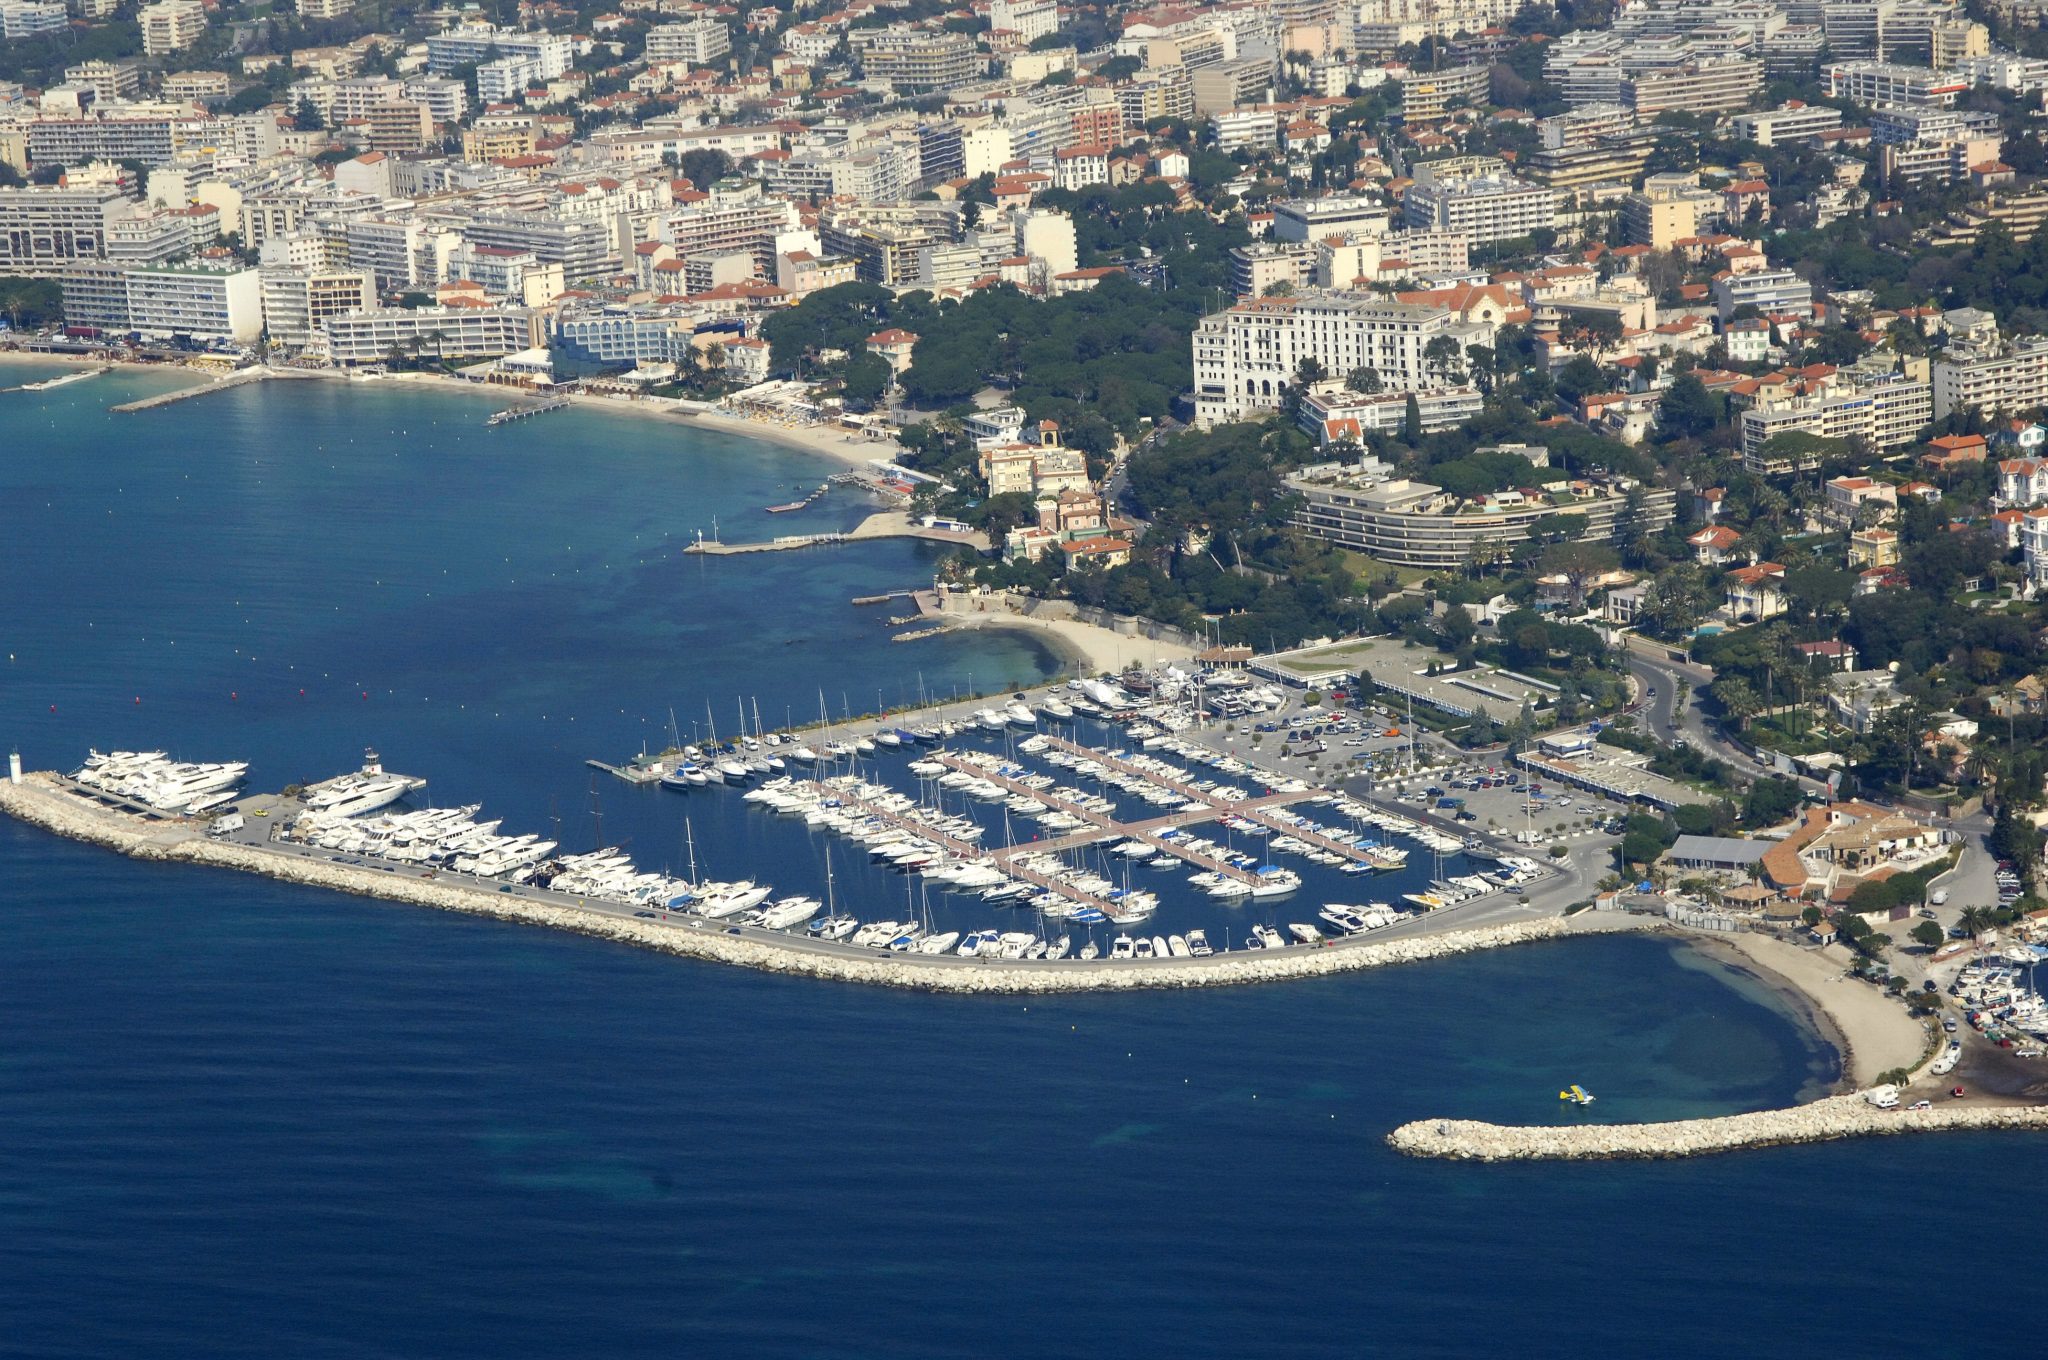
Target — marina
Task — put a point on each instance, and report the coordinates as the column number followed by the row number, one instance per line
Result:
column 1008, row 832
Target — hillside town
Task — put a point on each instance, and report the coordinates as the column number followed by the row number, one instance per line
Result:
column 1669, row 374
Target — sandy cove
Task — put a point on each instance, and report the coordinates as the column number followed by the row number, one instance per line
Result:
column 1872, row 1030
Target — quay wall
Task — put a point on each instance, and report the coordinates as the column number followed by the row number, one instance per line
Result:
column 39, row 802
column 1836, row 1117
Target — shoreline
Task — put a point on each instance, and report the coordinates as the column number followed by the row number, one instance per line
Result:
column 1870, row 1032
column 192, row 377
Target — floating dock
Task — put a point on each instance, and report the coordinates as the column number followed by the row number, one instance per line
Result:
column 804, row 504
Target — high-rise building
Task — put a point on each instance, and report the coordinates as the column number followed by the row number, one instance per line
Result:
column 699, row 42
column 299, row 302
column 171, row 26
column 915, row 61
column 1492, row 208
column 204, row 301
column 1246, row 358
column 45, row 227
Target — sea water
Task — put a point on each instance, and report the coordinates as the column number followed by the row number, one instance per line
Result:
column 243, row 1118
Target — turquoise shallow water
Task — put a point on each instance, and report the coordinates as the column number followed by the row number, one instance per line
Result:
column 243, row 1119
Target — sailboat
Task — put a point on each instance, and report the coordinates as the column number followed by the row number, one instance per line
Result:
column 832, row 926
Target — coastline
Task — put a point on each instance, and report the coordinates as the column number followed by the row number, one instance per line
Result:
column 1871, row 1032
column 843, row 449
column 192, row 377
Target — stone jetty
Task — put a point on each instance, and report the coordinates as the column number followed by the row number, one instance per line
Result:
column 39, row 801
column 1843, row 1116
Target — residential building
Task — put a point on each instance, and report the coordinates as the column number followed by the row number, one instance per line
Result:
column 1667, row 209
column 448, row 53
column 370, row 337
column 1770, row 291
column 2034, row 544
column 297, row 303
column 1246, row 357
column 699, row 42
column 1429, row 95
column 31, row 18
column 203, row 301
column 46, row 227
column 1313, row 219
column 1873, row 547
column 171, row 26
column 109, row 80
column 1847, row 497
column 1716, row 85
column 2010, row 379
column 1882, row 411
column 96, row 295
column 2023, row 482
column 1413, row 524
column 77, row 141
column 1333, row 414
column 499, row 136
column 1486, row 209
column 1789, row 122
column 1227, row 85
column 915, row 61
column 1873, row 83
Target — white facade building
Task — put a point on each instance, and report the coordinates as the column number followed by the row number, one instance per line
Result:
column 1491, row 208
column 1247, row 356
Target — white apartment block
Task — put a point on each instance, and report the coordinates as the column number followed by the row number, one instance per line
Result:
column 1246, row 357
column 698, row 42
column 444, row 98
column 43, row 228
column 206, row 302
column 1311, row 219
column 1491, row 208
column 915, row 61
column 1027, row 19
column 1719, row 85
column 370, row 337
column 449, row 52
column 2007, row 381
column 149, row 238
column 1770, row 291
column 170, row 26
column 30, row 18
column 1792, row 122
column 1877, row 83
column 720, row 225
column 1886, row 412
column 75, row 141
column 297, row 303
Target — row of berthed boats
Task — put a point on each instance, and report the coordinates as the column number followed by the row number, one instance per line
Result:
column 154, row 780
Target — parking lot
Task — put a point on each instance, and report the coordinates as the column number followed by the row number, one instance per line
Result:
column 1491, row 796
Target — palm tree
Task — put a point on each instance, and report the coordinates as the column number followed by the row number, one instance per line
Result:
column 1975, row 920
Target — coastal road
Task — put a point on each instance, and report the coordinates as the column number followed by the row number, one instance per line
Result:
column 1688, row 723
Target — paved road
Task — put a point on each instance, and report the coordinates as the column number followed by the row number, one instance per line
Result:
column 1691, row 724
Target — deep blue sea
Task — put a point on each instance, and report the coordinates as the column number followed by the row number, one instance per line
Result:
column 243, row 1119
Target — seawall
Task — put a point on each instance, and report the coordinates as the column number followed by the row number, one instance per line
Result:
column 1844, row 1116
column 39, row 802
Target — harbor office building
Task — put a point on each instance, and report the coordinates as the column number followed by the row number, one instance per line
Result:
column 1414, row 524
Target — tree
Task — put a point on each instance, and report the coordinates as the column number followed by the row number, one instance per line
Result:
column 1441, row 357
column 1928, row 935
column 866, row 378
column 1411, row 420
column 1688, row 410
column 1580, row 564
column 1366, row 382
column 306, row 117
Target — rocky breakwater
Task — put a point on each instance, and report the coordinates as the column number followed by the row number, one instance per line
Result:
column 38, row 800
column 1843, row 1116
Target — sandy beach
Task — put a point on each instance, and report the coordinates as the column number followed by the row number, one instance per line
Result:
column 192, row 376
column 1873, row 1030
column 1090, row 648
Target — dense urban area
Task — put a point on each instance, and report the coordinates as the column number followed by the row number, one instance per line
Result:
column 1639, row 398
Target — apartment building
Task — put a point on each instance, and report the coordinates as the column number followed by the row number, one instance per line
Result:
column 2034, row 543
column 1429, row 95
column 204, row 301
column 2011, row 379
column 1025, row 20
column 915, row 61
column 448, row 53
column 1577, row 129
column 1880, row 410
column 75, row 141
column 298, row 303
column 1875, row 83
column 1258, row 268
column 585, row 247
column 727, row 222
column 96, row 295
column 499, row 136
column 149, row 238
column 31, row 18
column 1415, row 524
column 1789, row 122
column 171, row 26
column 197, row 87
column 444, row 98
column 885, row 243
column 1719, row 85
column 1164, row 93
column 1770, row 291
column 1226, row 85
column 1668, row 209
column 699, row 42
column 1246, row 356
column 370, row 337
column 1491, row 208
column 108, row 80
column 45, row 227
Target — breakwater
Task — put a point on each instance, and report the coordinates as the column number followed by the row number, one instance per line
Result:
column 1823, row 1121
column 40, row 802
